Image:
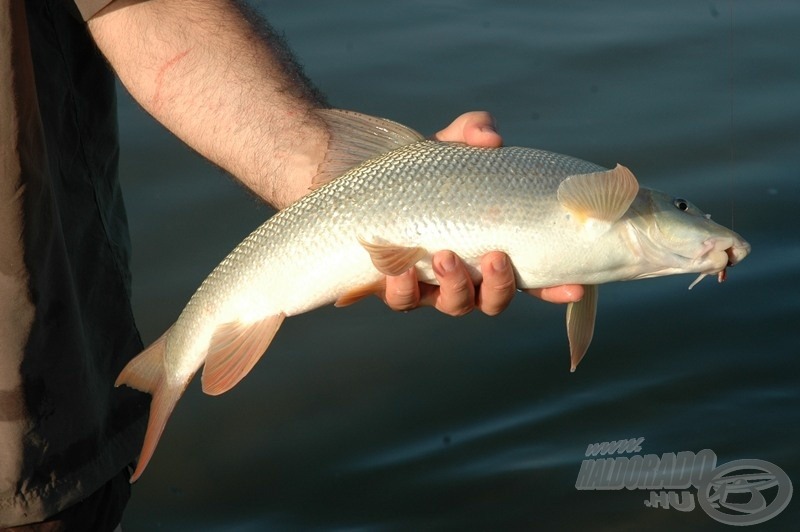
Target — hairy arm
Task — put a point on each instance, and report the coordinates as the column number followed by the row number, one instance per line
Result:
column 225, row 83
column 222, row 81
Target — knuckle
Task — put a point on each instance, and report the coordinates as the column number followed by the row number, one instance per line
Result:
column 493, row 310
column 459, row 286
column 455, row 310
column 495, row 297
column 402, row 298
column 403, row 307
column 507, row 286
column 457, row 298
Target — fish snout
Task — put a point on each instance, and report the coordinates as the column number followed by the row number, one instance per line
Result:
column 724, row 252
column 721, row 254
column 737, row 252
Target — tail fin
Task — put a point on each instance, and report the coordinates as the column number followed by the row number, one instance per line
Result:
column 146, row 373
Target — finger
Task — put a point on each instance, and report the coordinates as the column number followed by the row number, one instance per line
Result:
column 456, row 293
column 476, row 128
column 402, row 291
column 498, row 286
column 568, row 293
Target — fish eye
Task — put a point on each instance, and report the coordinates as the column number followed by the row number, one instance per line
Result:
column 681, row 204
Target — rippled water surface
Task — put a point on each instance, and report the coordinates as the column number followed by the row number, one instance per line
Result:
column 364, row 418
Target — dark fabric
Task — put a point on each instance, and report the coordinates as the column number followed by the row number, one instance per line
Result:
column 80, row 431
column 89, row 8
column 99, row 512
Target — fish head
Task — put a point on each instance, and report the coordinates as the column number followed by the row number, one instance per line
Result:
column 672, row 235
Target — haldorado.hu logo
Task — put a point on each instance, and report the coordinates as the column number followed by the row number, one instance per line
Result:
column 742, row 492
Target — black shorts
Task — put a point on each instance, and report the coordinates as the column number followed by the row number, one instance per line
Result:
column 99, row 512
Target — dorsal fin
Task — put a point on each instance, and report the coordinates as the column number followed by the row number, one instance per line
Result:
column 355, row 138
column 600, row 195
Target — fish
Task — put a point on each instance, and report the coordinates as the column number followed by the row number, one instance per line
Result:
column 385, row 200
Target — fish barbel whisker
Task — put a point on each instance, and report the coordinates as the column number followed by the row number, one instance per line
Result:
column 708, row 246
column 699, row 278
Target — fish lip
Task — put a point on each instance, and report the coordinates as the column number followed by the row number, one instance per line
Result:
column 723, row 252
column 737, row 252
column 714, row 254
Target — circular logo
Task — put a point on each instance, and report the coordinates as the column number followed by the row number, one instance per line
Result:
column 734, row 493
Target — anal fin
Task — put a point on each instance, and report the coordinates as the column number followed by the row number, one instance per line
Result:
column 235, row 349
column 580, row 324
column 360, row 292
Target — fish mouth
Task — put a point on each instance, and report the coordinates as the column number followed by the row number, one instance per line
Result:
column 737, row 252
column 721, row 253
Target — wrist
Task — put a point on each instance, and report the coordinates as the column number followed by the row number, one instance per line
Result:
column 287, row 169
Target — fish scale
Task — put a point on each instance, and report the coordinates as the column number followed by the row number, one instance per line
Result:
column 400, row 199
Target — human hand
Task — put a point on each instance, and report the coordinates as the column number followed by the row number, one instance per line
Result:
column 456, row 295
column 476, row 128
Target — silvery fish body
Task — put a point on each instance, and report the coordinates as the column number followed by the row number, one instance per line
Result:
column 431, row 195
column 560, row 219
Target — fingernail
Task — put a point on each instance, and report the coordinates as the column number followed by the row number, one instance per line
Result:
column 448, row 263
column 573, row 294
column 500, row 264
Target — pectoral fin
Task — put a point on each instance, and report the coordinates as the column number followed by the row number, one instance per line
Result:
column 600, row 195
column 390, row 259
column 580, row 324
column 235, row 349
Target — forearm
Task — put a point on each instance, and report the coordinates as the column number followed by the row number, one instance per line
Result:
column 225, row 87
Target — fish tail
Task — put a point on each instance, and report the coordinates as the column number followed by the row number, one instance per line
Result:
column 146, row 373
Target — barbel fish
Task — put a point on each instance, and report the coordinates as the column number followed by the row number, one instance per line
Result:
column 386, row 200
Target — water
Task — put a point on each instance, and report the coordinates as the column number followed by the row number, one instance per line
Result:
column 363, row 418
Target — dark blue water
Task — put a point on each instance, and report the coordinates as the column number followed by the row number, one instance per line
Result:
column 362, row 418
